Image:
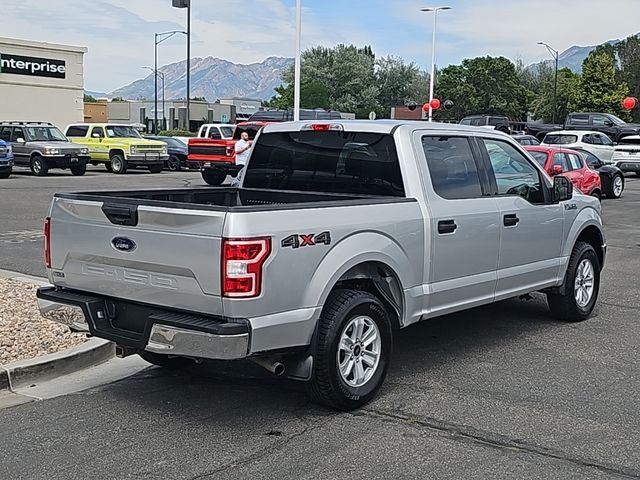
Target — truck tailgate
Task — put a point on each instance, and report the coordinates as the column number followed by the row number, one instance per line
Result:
column 161, row 256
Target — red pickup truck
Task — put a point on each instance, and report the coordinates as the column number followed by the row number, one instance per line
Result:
column 217, row 157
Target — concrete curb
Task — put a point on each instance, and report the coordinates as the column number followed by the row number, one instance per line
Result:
column 46, row 367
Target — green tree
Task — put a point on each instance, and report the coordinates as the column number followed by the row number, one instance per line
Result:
column 629, row 56
column 483, row 85
column 542, row 103
column 89, row 99
column 399, row 83
column 598, row 89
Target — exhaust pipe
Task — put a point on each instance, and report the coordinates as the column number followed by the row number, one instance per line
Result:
column 274, row 366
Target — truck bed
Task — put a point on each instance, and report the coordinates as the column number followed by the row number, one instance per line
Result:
column 227, row 199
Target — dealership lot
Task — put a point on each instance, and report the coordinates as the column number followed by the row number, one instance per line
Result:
column 501, row 391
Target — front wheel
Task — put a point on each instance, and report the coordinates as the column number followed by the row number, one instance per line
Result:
column 118, row 164
column 79, row 169
column 352, row 350
column 617, row 186
column 581, row 286
column 213, row 178
column 38, row 166
column 165, row 361
column 155, row 168
column 5, row 174
column 174, row 163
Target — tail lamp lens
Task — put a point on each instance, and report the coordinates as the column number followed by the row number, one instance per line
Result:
column 47, row 242
column 242, row 262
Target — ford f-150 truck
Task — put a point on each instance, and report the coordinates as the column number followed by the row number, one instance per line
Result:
column 217, row 157
column 340, row 233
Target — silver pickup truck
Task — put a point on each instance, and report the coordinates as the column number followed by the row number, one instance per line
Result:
column 341, row 232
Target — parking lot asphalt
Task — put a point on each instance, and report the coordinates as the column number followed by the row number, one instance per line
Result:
column 502, row 391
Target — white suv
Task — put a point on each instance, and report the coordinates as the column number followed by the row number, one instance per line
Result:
column 595, row 142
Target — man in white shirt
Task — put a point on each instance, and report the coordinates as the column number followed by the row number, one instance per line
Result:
column 243, row 150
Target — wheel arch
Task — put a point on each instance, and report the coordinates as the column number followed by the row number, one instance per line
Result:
column 116, row 151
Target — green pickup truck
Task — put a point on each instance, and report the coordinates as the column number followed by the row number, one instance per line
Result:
column 118, row 146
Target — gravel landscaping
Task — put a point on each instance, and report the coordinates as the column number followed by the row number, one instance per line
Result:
column 23, row 332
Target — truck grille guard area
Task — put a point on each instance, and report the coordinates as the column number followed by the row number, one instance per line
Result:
column 142, row 327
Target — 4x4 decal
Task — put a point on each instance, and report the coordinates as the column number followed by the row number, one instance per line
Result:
column 306, row 240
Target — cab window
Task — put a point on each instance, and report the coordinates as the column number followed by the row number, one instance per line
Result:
column 514, row 173
column 453, row 170
column 214, row 133
column 97, row 132
column 17, row 133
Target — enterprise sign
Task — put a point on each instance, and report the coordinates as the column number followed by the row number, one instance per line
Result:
column 32, row 66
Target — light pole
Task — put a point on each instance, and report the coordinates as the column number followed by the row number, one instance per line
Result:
column 296, row 86
column 159, row 38
column 555, row 55
column 435, row 11
column 187, row 4
column 161, row 74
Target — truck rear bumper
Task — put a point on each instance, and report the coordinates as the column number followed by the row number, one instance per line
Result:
column 146, row 328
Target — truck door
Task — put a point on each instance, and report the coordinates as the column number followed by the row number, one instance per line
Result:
column 464, row 225
column 531, row 228
column 20, row 151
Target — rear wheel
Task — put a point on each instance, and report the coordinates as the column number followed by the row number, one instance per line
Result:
column 352, row 350
column 79, row 169
column 213, row 178
column 5, row 174
column 38, row 166
column 165, row 361
column 155, row 168
column 118, row 164
column 617, row 186
column 174, row 163
column 581, row 286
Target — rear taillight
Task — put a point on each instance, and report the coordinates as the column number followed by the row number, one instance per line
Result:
column 230, row 151
column 47, row 242
column 242, row 262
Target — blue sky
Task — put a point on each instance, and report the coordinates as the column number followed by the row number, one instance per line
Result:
column 119, row 33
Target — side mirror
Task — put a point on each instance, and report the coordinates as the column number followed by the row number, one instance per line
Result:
column 562, row 189
column 95, row 135
column 20, row 140
column 556, row 170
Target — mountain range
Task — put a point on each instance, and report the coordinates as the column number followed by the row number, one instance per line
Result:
column 212, row 78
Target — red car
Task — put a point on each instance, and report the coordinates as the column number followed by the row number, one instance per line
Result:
column 562, row 161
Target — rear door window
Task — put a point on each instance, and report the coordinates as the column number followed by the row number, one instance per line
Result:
column 18, row 132
column 579, row 119
column 574, row 161
column 452, row 167
column 561, row 159
column 77, row 131
column 97, row 131
column 333, row 161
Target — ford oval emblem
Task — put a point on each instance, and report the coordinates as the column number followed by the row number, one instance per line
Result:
column 123, row 244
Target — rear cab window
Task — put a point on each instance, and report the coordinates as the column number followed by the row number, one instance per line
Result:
column 359, row 163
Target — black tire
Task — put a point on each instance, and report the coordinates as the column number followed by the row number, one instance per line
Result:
column 79, row 169
column 637, row 174
column 5, row 174
column 213, row 178
column 38, row 166
column 173, row 163
column 564, row 306
column 156, row 168
column 327, row 385
column 165, row 361
column 596, row 194
column 612, row 193
column 108, row 167
column 118, row 164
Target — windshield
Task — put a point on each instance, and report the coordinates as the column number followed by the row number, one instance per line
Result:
column 252, row 130
column 557, row 139
column 227, row 132
column 45, row 134
column 540, row 157
column 475, row 121
column 122, row 131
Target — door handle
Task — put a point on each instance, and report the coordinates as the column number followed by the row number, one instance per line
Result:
column 511, row 220
column 447, row 226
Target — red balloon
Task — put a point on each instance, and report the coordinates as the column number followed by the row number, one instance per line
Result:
column 435, row 104
column 425, row 107
column 630, row 103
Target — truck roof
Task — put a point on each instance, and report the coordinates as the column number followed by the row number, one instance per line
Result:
column 377, row 126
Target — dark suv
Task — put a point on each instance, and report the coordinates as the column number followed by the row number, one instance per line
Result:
column 41, row 146
column 491, row 121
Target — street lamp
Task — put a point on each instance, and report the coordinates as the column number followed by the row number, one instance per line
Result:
column 187, row 4
column 296, row 85
column 554, row 54
column 159, row 38
column 161, row 74
column 435, row 11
